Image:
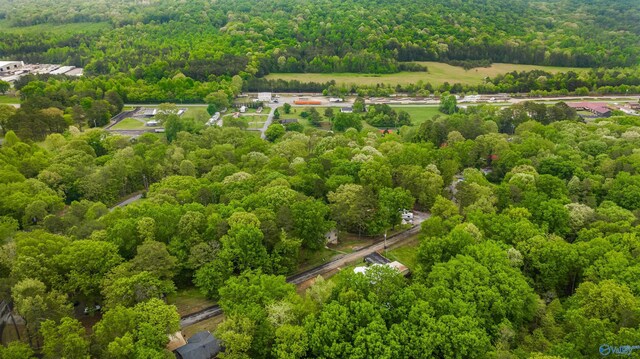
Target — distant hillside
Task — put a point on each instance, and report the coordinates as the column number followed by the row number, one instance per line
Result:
column 228, row 37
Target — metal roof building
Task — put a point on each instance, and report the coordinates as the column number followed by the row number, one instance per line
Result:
column 10, row 65
column 202, row 345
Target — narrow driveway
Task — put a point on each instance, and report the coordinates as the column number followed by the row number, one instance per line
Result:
column 267, row 123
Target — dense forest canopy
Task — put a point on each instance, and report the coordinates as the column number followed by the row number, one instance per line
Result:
column 202, row 38
column 529, row 248
column 534, row 256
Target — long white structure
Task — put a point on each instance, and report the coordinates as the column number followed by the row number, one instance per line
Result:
column 6, row 66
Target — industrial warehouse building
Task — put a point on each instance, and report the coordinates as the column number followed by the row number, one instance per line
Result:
column 6, row 66
column 265, row 96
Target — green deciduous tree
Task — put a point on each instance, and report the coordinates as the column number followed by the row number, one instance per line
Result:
column 345, row 121
column 35, row 304
column 352, row 207
column 66, row 339
column 83, row 265
column 274, row 132
column 310, row 222
column 290, row 342
column 16, row 350
column 4, row 87
column 448, row 104
column 134, row 332
column 392, row 202
column 6, row 111
column 424, row 185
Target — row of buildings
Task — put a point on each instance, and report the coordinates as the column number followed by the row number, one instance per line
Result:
column 604, row 109
column 11, row 71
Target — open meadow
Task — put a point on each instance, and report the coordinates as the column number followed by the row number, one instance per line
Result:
column 438, row 73
column 73, row 28
column 6, row 99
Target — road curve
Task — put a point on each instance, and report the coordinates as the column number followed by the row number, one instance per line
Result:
column 334, row 264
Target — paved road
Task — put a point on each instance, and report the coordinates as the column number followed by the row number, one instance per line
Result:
column 334, row 264
column 432, row 102
column 267, row 123
column 197, row 317
column 127, row 201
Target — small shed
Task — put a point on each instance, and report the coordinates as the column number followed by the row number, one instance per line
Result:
column 331, row 237
column 243, row 109
column 202, row 345
column 176, row 340
column 399, row 267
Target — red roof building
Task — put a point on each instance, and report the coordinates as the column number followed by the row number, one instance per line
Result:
column 598, row 109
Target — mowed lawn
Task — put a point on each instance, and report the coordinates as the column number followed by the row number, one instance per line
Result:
column 419, row 114
column 189, row 300
column 439, row 73
column 6, row 99
column 197, row 112
column 407, row 254
column 80, row 27
column 129, row 124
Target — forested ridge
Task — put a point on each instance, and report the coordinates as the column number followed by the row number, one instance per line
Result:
column 202, row 38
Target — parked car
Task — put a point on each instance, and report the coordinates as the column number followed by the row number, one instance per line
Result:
column 89, row 310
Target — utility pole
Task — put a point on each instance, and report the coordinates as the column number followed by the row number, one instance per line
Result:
column 385, row 242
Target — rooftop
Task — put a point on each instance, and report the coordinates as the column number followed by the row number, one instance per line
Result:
column 4, row 63
column 591, row 106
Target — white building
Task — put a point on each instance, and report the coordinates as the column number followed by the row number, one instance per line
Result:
column 213, row 121
column 264, row 96
column 331, row 237
column 6, row 66
column 62, row 70
column 243, row 109
column 149, row 112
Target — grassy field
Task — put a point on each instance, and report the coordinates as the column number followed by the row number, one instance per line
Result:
column 309, row 259
column 419, row 114
column 197, row 112
column 189, row 301
column 129, row 124
column 81, row 27
column 296, row 111
column 439, row 73
column 208, row 324
column 6, row 99
column 407, row 254
column 256, row 124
